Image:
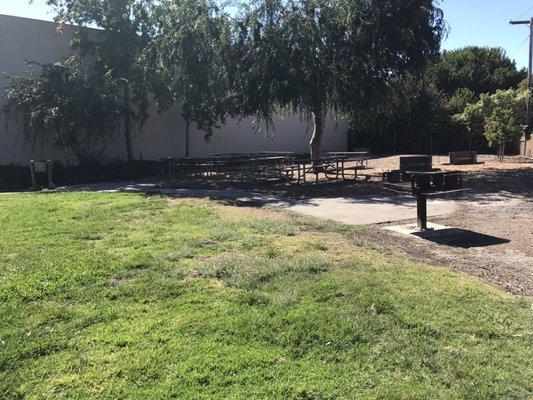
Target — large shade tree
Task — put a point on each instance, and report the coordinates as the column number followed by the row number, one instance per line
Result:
column 116, row 48
column 318, row 56
column 188, row 61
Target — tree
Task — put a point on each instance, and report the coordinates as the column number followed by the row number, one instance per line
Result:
column 472, row 119
column 411, row 118
column 460, row 99
column 498, row 115
column 420, row 108
column 67, row 105
column 124, row 33
column 188, row 59
column 320, row 56
column 478, row 69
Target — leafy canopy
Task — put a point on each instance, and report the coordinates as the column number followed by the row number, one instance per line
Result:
column 478, row 69
column 499, row 115
column 66, row 105
column 124, row 31
column 187, row 60
column 315, row 56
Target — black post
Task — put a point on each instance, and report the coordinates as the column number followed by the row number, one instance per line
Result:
column 33, row 177
column 421, row 211
column 51, row 184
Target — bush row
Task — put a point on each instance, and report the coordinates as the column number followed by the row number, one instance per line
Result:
column 17, row 178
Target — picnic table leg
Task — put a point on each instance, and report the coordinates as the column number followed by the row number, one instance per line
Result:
column 421, row 211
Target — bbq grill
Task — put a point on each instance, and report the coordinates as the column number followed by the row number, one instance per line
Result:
column 423, row 184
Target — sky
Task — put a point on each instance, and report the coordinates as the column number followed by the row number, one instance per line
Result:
column 471, row 22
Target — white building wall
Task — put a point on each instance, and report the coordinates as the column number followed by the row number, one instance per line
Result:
column 163, row 135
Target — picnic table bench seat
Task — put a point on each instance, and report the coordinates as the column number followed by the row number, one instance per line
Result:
column 463, row 157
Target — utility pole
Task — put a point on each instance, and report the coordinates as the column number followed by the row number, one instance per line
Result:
column 529, row 126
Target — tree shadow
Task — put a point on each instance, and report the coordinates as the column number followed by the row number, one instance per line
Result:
column 498, row 184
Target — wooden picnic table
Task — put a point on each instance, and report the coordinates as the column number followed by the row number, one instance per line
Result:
column 275, row 153
column 248, row 166
column 330, row 166
column 360, row 157
column 348, row 153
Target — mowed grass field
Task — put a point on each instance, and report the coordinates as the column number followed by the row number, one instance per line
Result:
column 112, row 296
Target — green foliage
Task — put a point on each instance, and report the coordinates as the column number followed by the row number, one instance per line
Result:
column 14, row 178
column 460, row 99
column 188, row 60
column 501, row 126
column 125, row 296
column 315, row 56
column 419, row 112
column 500, row 116
column 67, row 105
column 413, row 115
column 472, row 119
column 478, row 69
column 115, row 48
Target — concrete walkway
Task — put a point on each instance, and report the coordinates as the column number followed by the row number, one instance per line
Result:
column 357, row 211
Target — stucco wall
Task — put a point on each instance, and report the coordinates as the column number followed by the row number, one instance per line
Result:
column 163, row 135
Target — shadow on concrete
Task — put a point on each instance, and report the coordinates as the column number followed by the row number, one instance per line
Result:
column 464, row 238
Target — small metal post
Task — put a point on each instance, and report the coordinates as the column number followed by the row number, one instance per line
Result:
column 49, row 173
column 421, row 211
column 33, row 177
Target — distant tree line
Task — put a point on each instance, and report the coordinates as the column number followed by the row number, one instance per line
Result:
column 373, row 63
column 422, row 112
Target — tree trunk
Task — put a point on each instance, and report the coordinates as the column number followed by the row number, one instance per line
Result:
column 501, row 152
column 187, row 137
column 127, row 124
column 318, row 133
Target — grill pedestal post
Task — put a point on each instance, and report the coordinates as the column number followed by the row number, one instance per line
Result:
column 421, row 211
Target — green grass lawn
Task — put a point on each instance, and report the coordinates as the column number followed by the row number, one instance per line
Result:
column 126, row 296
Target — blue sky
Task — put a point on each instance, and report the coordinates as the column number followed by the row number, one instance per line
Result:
column 471, row 22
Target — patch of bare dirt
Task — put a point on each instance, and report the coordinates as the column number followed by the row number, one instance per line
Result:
column 495, row 224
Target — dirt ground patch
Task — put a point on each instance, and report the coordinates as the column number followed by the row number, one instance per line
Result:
column 499, row 207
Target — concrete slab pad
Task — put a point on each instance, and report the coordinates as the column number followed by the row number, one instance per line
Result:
column 369, row 209
column 412, row 229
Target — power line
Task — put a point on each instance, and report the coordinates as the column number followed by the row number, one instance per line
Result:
column 520, row 46
column 525, row 12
